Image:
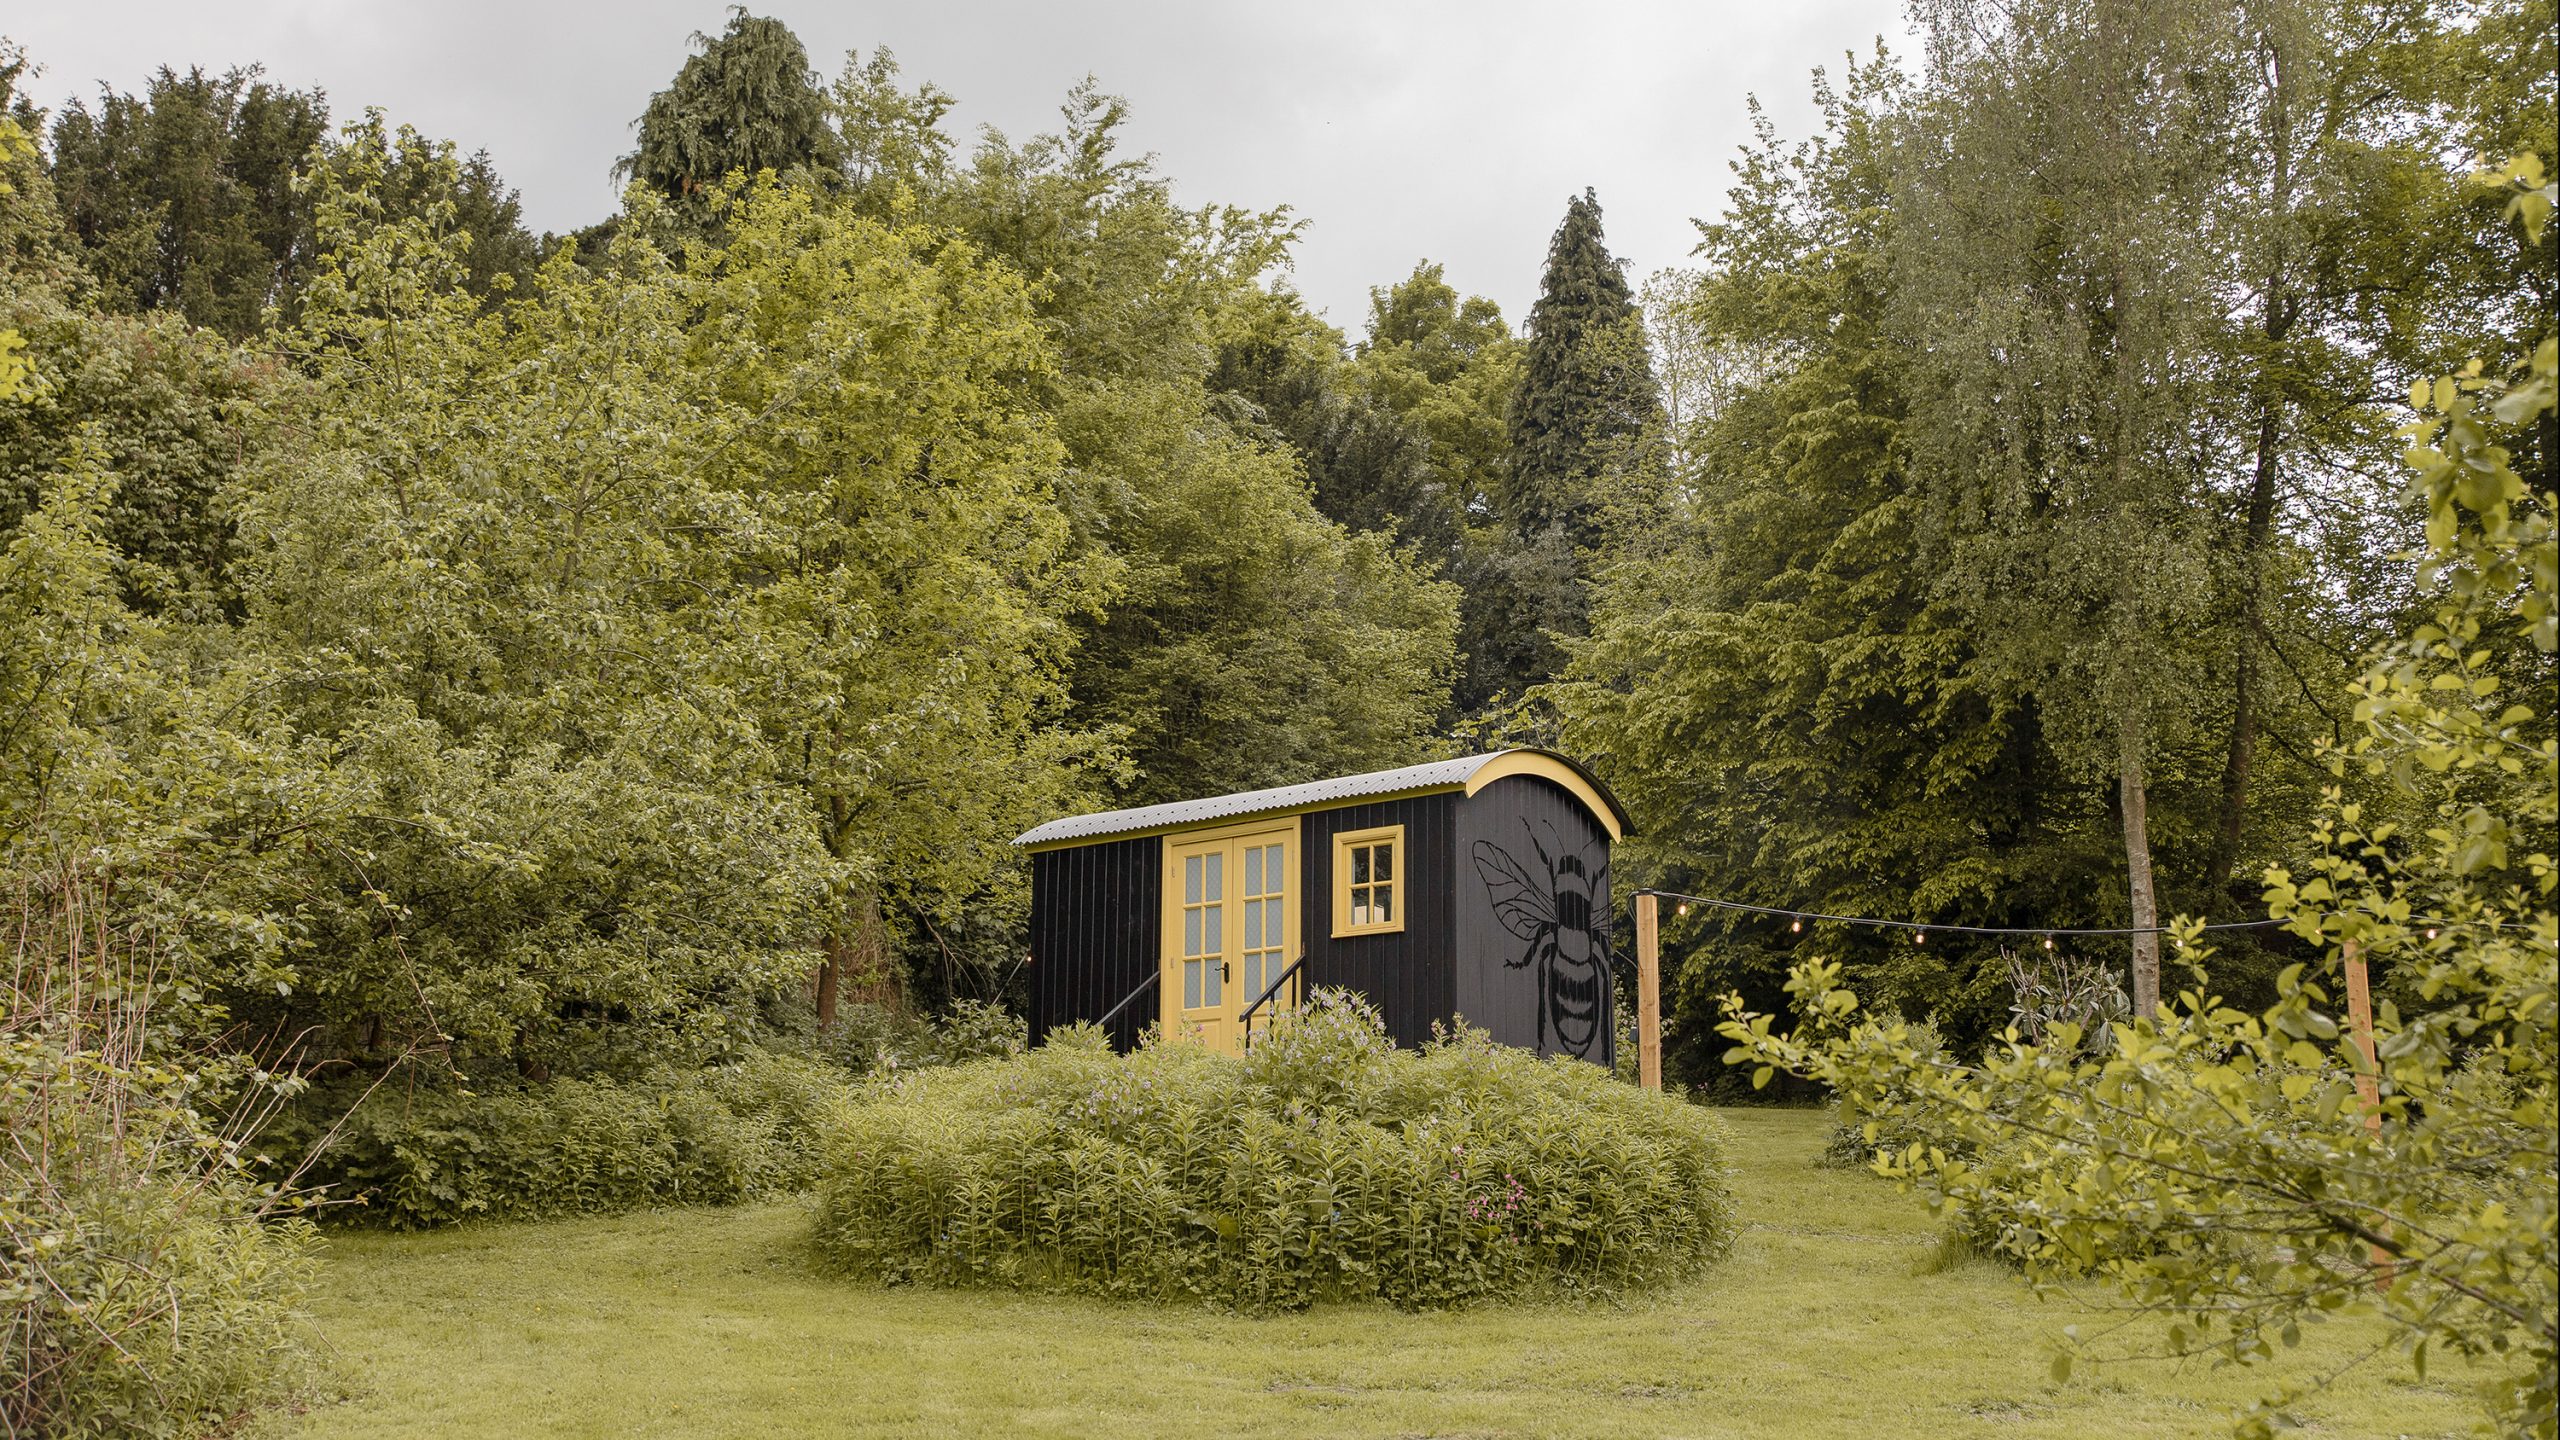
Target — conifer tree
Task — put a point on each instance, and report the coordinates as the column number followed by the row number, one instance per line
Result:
column 1587, row 396
column 1585, row 407
column 185, row 197
column 748, row 101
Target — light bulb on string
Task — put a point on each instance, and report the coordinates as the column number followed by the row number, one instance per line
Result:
column 1684, row 908
column 1919, row 937
column 2431, row 934
column 2048, row 942
column 1797, row 927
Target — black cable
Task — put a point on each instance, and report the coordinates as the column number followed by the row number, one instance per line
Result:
column 2047, row 931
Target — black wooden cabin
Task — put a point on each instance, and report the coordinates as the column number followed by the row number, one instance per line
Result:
column 1475, row 888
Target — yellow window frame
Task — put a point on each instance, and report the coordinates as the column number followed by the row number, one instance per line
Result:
column 1399, row 865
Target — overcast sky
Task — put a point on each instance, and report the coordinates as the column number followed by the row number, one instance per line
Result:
column 1399, row 131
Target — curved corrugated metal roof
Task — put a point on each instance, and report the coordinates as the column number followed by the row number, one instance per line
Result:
column 1315, row 794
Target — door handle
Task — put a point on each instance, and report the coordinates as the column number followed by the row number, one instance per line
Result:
column 1223, row 975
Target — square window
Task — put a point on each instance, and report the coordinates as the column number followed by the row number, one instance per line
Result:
column 1365, row 881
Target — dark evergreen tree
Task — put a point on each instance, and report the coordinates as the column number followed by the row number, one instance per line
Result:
column 1580, row 421
column 1587, row 397
column 748, row 101
column 183, row 198
column 1288, row 379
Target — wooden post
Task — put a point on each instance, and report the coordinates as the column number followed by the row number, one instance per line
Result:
column 1648, row 990
column 2368, row 1082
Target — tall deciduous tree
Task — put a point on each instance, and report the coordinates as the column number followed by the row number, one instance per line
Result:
column 2055, row 286
column 1797, row 715
column 1253, row 641
column 683, row 611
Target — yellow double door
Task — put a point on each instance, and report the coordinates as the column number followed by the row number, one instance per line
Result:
column 1230, row 928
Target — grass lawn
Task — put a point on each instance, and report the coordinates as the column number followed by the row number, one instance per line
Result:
column 709, row 1323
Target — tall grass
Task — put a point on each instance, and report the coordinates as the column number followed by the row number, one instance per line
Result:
column 149, row 1284
column 1323, row 1164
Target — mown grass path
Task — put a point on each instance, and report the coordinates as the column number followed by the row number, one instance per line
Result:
column 709, row 1323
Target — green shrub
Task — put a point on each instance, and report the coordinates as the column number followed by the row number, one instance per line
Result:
column 1322, row 1164
column 147, row 1285
column 1857, row 1135
column 867, row 1039
column 414, row 1159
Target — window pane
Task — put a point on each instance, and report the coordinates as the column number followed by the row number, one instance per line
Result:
column 1215, row 943
column 1274, row 869
column 1386, row 860
column 1252, row 918
column 1386, row 905
column 1190, row 932
column 1359, row 864
column 1212, row 981
column 1253, row 870
column 1272, row 927
column 1191, row 881
column 1217, row 875
column 1191, row 984
column 1360, row 905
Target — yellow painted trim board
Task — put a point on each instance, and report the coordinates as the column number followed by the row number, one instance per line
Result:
column 1545, row 767
column 1343, row 844
column 1230, row 838
column 1548, row 767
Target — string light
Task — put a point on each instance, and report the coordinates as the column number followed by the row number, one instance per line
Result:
column 1919, row 937
column 2045, row 933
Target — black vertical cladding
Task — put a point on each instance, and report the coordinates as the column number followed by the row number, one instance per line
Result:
column 1095, row 914
column 1409, row 974
column 1531, row 921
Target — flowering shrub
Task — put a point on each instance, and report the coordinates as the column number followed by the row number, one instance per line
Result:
column 1322, row 1164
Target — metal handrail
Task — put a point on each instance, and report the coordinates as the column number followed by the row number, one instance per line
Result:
column 1131, row 998
column 1244, row 1022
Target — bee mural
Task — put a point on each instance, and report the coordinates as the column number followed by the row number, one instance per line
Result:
column 1551, row 906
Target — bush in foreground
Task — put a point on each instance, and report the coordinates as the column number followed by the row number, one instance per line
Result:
column 149, row 1285
column 1323, row 1164
column 416, row 1159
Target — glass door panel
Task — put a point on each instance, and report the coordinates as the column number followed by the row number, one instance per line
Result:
column 1266, row 918
column 1227, row 931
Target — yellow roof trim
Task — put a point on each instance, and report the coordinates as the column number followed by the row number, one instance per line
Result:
column 1554, row 768
column 1249, row 821
column 1466, row 774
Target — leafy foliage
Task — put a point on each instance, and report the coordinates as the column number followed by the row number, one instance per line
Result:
column 1794, row 714
column 150, row 1275
column 186, row 197
column 2241, row 1175
column 1322, row 1164
column 1580, row 426
column 745, row 103
column 713, row 1136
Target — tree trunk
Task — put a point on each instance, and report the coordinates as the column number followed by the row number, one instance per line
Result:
column 856, row 959
column 2137, row 864
column 2243, row 754
column 830, row 971
column 2276, row 313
